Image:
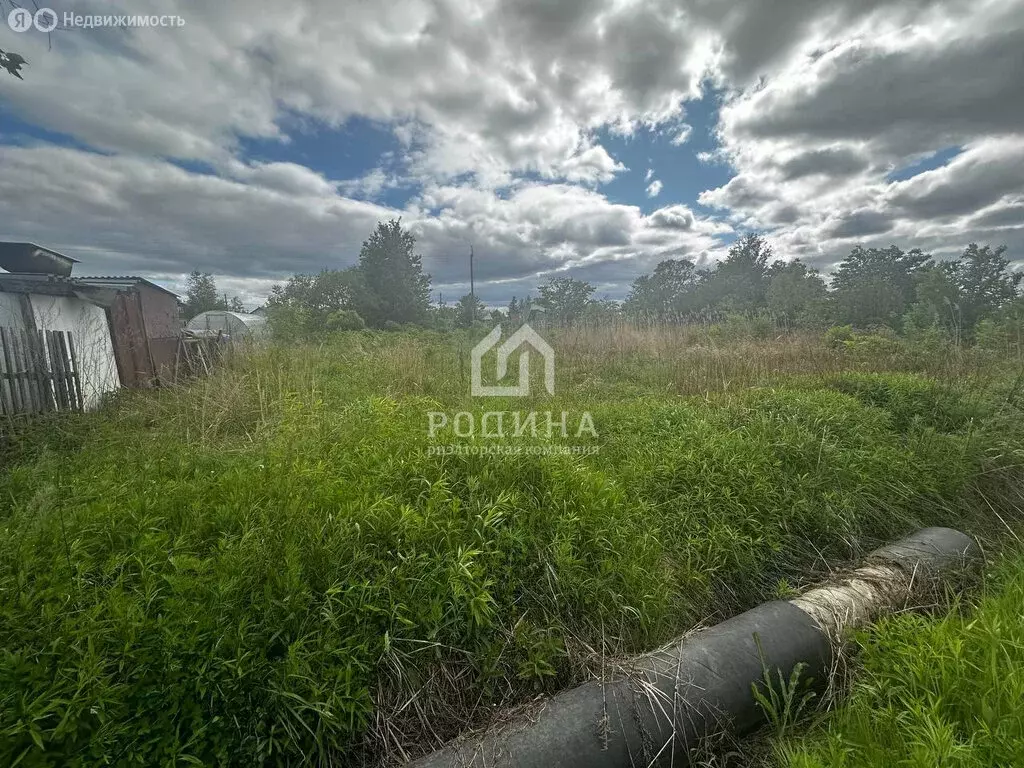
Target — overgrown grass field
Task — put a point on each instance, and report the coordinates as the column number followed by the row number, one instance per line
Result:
column 270, row 567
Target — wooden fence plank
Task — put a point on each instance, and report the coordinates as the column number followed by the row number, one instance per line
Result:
column 45, row 374
column 15, row 348
column 48, row 358
column 21, row 362
column 69, row 382
column 10, row 403
column 39, row 372
column 33, row 401
column 76, row 378
column 60, row 375
column 35, row 377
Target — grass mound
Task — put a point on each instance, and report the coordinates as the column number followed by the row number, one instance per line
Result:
column 269, row 567
column 910, row 398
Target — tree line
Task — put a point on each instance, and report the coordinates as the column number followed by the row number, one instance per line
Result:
column 872, row 287
column 900, row 289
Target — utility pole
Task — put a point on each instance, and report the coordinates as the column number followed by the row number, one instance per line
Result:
column 472, row 288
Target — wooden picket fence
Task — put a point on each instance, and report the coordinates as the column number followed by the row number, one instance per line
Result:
column 39, row 372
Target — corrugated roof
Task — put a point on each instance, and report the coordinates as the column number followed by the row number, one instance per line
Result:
column 121, row 280
column 32, row 282
column 29, row 258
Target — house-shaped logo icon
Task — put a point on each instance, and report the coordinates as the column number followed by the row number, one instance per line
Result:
column 525, row 335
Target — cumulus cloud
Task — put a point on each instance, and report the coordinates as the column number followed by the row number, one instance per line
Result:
column 814, row 138
column 983, row 174
column 488, row 87
column 683, row 135
column 150, row 217
column 828, row 161
column 501, row 113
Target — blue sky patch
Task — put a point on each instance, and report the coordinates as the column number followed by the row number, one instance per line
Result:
column 17, row 132
column 682, row 175
column 929, row 163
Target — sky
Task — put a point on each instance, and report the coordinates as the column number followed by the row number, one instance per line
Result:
column 582, row 138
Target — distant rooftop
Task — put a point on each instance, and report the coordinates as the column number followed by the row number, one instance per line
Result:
column 29, row 258
column 120, row 282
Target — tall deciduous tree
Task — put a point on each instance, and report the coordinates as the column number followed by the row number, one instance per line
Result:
column 983, row 281
column 875, row 286
column 795, row 294
column 201, row 295
column 739, row 282
column 668, row 294
column 564, row 299
column 310, row 305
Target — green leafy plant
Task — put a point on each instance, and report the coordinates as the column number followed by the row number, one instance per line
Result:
column 783, row 700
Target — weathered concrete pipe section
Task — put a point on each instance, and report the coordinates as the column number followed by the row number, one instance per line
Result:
column 659, row 708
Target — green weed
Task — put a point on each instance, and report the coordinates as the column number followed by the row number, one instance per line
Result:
column 941, row 691
column 268, row 568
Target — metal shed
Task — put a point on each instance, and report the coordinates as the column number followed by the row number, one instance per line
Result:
column 32, row 308
column 145, row 324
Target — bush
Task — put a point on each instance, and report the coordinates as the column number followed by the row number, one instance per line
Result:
column 837, row 336
column 296, row 323
column 344, row 320
column 911, row 399
column 872, row 345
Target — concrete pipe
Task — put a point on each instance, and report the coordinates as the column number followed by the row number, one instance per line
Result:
column 664, row 703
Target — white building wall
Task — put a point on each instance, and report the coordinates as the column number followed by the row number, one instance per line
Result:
column 10, row 311
column 91, row 334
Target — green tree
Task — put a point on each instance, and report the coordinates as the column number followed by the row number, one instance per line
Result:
column 397, row 290
column 876, row 286
column 956, row 295
column 564, row 300
column 602, row 311
column 519, row 310
column 327, row 291
column 796, row 294
column 469, row 310
column 514, row 310
column 309, row 305
column 739, row 283
column 670, row 293
column 936, row 308
column 984, row 282
column 201, row 294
